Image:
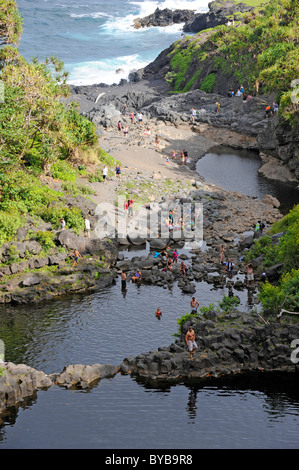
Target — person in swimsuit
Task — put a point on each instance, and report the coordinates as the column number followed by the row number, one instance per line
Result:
column 77, row 256
column 123, row 277
column 190, row 340
column 194, row 305
column 137, row 276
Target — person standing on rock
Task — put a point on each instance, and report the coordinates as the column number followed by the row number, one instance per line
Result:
column 190, row 340
column 132, row 117
column 126, row 130
column 217, row 107
column 229, row 268
column 250, row 275
column 130, row 207
column 86, row 228
column 183, row 268
column 105, row 172
column 117, row 172
column 194, row 305
column 140, row 117
column 62, row 224
column 77, row 256
column 119, row 126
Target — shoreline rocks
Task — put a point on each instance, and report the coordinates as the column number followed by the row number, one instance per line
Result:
column 228, row 343
column 165, row 17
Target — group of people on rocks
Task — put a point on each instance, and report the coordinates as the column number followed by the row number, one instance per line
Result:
column 271, row 110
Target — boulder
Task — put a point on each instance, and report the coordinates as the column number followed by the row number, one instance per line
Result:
column 81, row 376
column 271, row 200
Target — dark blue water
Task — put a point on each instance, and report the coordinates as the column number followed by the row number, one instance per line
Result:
column 94, row 38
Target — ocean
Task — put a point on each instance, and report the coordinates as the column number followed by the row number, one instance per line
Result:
column 95, row 38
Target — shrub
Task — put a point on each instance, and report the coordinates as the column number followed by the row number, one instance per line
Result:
column 285, row 294
column 46, row 239
column 62, row 170
column 228, row 303
column 208, row 83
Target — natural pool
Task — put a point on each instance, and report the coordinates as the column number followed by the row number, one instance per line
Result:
column 121, row 413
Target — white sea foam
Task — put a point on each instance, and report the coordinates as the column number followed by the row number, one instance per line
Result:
column 146, row 8
column 125, row 24
column 107, row 71
column 95, row 15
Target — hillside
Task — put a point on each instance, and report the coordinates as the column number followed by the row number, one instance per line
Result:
column 260, row 52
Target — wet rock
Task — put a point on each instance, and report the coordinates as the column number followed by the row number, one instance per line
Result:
column 81, row 376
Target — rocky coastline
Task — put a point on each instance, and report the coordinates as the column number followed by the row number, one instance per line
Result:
column 219, row 12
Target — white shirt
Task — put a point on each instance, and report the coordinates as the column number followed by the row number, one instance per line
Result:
column 87, row 224
column 105, row 171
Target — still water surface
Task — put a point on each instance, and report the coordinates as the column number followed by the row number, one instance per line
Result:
column 237, row 170
column 120, row 413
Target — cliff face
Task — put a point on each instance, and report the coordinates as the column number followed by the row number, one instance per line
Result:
column 220, row 12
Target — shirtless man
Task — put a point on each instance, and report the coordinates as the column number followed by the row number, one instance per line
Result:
column 190, row 340
column 194, row 305
column 123, row 277
column 77, row 256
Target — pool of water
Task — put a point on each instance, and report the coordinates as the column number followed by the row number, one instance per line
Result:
column 237, row 170
column 107, row 326
column 120, row 413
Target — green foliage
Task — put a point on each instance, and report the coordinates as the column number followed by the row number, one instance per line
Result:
column 9, row 224
column 46, row 239
column 64, row 171
column 210, row 308
column 208, row 83
column 287, row 250
column 72, row 215
column 22, row 193
column 228, row 303
column 261, row 53
column 285, row 294
column 76, row 189
column 184, row 318
column 180, row 62
column 12, row 255
column 10, row 22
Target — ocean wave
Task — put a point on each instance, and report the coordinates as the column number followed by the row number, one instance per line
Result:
column 107, row 71
column 125, row 24
column 148, row 7
column 90, row 15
